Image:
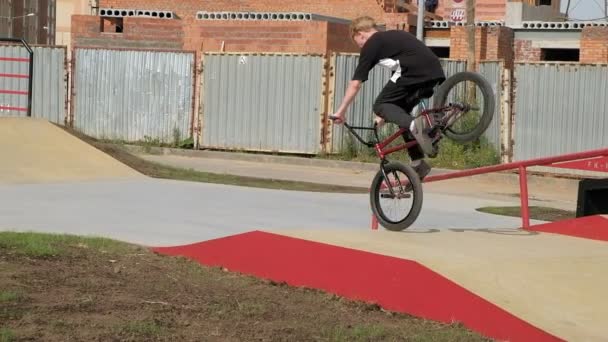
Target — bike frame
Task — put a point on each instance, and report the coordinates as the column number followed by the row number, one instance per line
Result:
column 381, row 147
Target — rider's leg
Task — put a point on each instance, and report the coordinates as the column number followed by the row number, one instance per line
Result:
column 397, row 115
column 416, row 154
column 392, row 105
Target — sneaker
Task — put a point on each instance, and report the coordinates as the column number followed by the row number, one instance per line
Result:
column 421, row 167
column 418, row 129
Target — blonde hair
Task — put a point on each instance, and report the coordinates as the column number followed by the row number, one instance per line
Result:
column 362, row 24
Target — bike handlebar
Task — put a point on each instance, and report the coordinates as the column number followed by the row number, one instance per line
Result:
column 352, row 131
column 333, row 118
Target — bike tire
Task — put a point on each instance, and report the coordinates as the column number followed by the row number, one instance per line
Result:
column 488, row 99
column 416, row 190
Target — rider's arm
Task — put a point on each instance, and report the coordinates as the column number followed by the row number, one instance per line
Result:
column 349, row 96
column 367, row 60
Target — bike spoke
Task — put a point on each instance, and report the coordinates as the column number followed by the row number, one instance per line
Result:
column 396, row 204
column 467, row 93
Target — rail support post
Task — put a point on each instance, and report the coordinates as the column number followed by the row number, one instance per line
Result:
column 523, row 194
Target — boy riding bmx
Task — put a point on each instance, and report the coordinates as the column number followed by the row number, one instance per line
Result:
column 414, row 68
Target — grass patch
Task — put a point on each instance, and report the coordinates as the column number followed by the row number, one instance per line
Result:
column 157, row 170
column 6, row 335
column 37, row 245
column 143, row 329
column 452, row 155
column 9, row 296
column 536, row 213
column 176, row 141
column 357, row 333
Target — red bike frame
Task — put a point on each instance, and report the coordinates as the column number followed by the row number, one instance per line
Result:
column 381, row 146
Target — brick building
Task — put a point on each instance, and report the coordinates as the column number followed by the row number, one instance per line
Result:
column 496, row 10
column 585, row 42
column 32, row 20
column 514, row 30
column 183, row 27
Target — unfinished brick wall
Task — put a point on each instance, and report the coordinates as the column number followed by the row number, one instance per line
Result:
column 594, row 45
column 459, row 43
column 252, row 37
column 484, row 9
column 400, row 21
column 525, row 52
column 188, row 8
column 143, row 33
column 338, row 39
column 347, row 9
column 232, row 36
column 500, row 45
column 491, row 43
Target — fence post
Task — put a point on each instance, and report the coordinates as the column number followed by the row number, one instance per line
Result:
column 327, row 97
column 506, row 121
column 199, row 87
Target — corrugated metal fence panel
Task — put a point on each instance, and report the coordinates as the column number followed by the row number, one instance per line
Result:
column 492, row 71
column 13, row 83
column 50, row 86
column 133, row 95
column 360, row 111
column 559, row 108
column 450, row 67
column 262, row 102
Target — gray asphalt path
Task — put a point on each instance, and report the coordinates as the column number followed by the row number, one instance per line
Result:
column 163, row 212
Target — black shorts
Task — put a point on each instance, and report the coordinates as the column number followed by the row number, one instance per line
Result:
column 395, row 102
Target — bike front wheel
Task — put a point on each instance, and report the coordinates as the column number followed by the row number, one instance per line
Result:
column 475, row 92
column 396, row 210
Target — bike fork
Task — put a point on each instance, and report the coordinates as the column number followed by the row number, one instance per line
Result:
column 390, row 186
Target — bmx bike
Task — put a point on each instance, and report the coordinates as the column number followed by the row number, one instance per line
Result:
column 396, row 189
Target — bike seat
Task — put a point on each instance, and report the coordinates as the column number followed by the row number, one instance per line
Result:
column 424, row 93
column 420, row 94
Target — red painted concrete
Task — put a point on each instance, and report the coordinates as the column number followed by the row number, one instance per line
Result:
column 395, row 284
column 588, row 227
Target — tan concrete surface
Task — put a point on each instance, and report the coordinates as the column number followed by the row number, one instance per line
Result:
column 548, row 192
column 36, row 151
column 554, row 282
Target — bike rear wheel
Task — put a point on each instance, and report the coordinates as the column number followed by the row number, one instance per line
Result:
column 398, row 210
column 473, row 90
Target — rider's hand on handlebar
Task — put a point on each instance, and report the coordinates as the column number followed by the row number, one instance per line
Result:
column 338, row 117
column 378, row 121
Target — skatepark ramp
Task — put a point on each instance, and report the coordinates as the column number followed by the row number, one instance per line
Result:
column 37, row 151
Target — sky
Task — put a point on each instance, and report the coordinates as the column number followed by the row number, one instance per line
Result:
column 585, row 9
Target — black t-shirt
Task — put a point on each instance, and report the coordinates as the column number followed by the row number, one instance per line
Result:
column 401, row 52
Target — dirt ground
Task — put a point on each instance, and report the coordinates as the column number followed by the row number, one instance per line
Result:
column 131, row 294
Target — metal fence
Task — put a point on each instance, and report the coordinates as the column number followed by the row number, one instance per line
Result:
column 262, row 102
column 360, row 111
column 133, row 95
column 559, row 108
column 50, row 84
column 14, row 83
column 49, row 87
column 493, row 71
